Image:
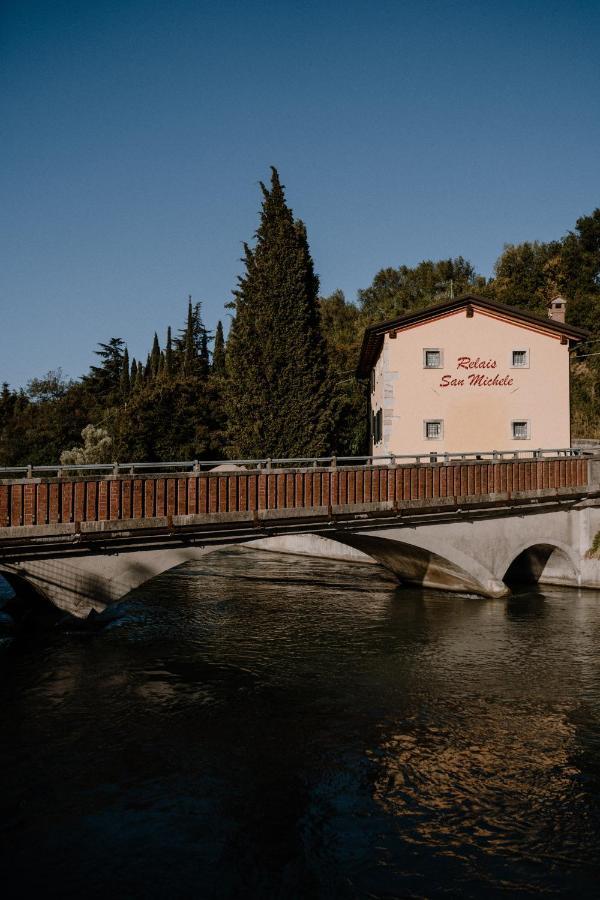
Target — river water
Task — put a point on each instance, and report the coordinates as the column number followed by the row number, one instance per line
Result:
column 255, row 725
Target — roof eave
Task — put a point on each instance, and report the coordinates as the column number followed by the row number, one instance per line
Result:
column 374, row 334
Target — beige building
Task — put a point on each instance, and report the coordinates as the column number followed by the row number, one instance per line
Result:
column 469, row 375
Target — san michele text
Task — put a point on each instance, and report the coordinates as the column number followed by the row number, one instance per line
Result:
column 476, row 379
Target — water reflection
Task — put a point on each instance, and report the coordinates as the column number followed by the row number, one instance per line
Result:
column 262, row 726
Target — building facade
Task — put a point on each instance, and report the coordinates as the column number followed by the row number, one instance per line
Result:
column 468, row 375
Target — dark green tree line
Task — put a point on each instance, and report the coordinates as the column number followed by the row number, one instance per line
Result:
column 171, row 408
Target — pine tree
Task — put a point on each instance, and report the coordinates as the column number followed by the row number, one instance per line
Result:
column 133, row 373
column 104, row 381
column 276, row 361
column 218, row 359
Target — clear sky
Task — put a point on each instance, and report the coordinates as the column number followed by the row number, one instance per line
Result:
column 134, row 135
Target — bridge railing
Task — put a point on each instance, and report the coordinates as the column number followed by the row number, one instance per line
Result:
column 151, row 491
column 200, row 465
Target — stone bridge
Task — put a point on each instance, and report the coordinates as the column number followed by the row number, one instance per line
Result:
column 81, row 542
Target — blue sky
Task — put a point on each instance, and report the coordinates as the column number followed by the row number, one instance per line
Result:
column 135, row 134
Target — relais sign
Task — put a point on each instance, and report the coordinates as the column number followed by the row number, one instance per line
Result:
column 476, row 378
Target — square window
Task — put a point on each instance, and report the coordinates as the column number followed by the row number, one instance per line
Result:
column 433, row 430
column 432, row 359
column 520, row 359
column 520, row 430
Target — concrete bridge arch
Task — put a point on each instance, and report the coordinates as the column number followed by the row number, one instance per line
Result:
column 426, row 561
column 78, row 585
column 550, row 561
column 460, row 552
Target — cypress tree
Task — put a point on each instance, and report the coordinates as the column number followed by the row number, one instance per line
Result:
column 125, row 383
column 203, row 356
column 169, row 354
column 133, row 372
column 155, row 356
column 218, row 359
column 276, row 390
column 193, row 342
column 187, row 341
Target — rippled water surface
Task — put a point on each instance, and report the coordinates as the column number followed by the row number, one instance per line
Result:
column 255, row 725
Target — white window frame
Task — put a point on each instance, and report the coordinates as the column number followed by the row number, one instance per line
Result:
column 439, row 422
column 516, row 437
column 427, row 350
column 524, row 350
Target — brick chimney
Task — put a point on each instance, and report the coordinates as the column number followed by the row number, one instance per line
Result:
column 556, row 309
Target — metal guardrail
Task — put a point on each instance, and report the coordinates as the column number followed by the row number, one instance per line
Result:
column 267, row 464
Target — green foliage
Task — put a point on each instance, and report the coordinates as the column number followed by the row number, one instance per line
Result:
column 218, row 357
column 594, row 551
column 277, row 393
column 580, row 256
column 155, row 357
column 192, row 344
column 528, row 275
column 395, row 292
column 171, row 419
column 51, row 387
column 37, row 431
column 348, row 400
column 103, row 382
column 169, row 361
column 585, row 399
column 125, row 383
column 156, row 413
